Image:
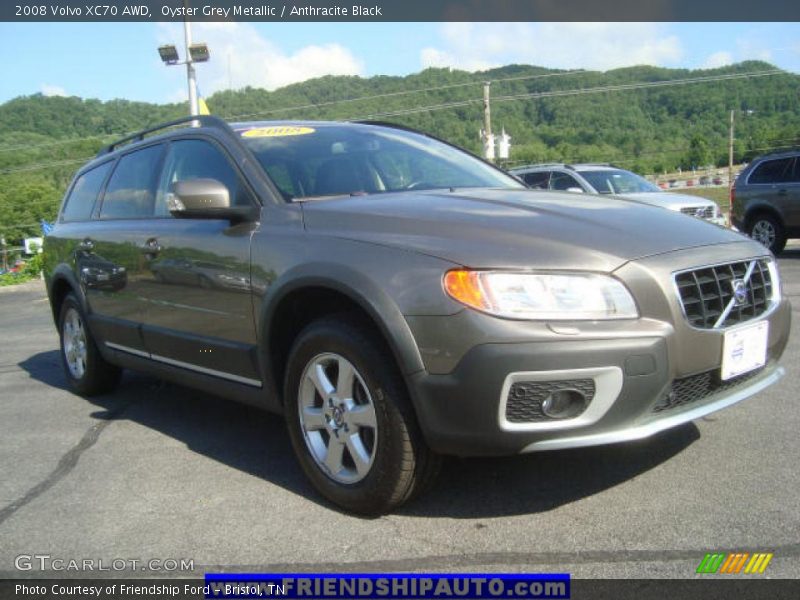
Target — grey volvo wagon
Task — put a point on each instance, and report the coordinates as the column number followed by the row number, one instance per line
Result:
column 398, row 299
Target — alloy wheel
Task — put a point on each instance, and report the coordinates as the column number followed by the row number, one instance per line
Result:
column 74, row 336
column 338, row 418
column 764, row 232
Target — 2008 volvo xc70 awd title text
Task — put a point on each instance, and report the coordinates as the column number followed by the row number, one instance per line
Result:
column 398, row 299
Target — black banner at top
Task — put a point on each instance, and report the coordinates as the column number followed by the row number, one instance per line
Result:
column 398, row 10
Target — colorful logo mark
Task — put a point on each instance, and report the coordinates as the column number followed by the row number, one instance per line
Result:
column 734, row 563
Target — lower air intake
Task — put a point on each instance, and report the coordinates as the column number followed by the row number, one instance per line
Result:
column 527, row 401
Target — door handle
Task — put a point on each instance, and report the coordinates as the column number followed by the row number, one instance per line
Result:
column 782, row 192
column 151, row 247
column 87, row 245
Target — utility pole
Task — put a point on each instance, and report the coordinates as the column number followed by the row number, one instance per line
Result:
column 5, row 254
column 488, row 138
column 730, row 156
column 190, row 75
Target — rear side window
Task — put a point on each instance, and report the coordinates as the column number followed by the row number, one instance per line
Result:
column 130, row 193
column 772, row 171
column 795, row 178
column 84, row 193
column 562, row 181
column 537, row 181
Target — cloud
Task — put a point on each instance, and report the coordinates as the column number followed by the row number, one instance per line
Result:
column 241, row 57
column 749, row 48
column 602, row 46
column 52, row 90
column 718, row 59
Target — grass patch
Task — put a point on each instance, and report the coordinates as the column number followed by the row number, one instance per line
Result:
column 717, row 194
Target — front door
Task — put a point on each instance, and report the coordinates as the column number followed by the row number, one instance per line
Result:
column 198, row 288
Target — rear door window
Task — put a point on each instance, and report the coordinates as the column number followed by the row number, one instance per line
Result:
column 562, row 181
column 131, row 191
column 795, row 178
column 84, row 193
column 538, row 180
column 772, row 171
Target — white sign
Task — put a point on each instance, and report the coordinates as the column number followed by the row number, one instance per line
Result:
column 744, row 349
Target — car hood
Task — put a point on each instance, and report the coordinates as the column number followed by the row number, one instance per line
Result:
column 484, row 228
column 667, row 199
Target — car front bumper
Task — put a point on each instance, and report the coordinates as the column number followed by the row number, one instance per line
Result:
column 647, row 375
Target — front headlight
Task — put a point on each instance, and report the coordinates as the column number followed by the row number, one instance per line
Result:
column 541, row 296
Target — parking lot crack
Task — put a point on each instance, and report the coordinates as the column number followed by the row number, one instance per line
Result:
column 67, row 462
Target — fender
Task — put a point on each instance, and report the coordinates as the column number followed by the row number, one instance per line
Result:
column 358, row 288
column 762, row 206
column 64, row 273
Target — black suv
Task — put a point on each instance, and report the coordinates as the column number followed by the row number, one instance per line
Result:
column 398, row 299
column 765, row 200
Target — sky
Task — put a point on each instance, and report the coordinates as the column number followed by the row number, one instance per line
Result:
column 119, row 60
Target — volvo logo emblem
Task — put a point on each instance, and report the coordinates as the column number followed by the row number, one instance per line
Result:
column 739, row 292
column 700, row 213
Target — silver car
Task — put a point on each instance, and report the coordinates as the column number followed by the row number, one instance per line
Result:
column 606, row 179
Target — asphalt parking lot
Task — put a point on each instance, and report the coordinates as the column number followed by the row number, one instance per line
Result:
column 157, row 471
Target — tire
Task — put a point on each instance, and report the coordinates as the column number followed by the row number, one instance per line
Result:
column 356, row 439
column 769, row 231
column 87, row 372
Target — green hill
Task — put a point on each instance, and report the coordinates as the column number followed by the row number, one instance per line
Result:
column 44, row 139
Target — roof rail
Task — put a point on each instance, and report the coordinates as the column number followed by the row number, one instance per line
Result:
column 540, row 165
column 591, row 164
column 205, row 120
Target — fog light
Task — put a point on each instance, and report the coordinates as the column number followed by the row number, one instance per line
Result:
column 564, row 404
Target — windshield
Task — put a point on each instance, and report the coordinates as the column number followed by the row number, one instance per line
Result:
column 336, row 159
column 618, row 182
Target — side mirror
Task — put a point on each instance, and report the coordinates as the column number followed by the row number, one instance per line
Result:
column 575, row 190
column 205, row 199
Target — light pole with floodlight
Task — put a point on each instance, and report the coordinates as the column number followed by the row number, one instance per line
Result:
column 194, row 53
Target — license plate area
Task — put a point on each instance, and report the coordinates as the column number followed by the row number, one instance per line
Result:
column 744, row 349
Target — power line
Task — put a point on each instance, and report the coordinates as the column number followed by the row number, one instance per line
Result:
column 38, row 166
column 307, row 106
column 575, row 92
column 61, row 142
column 22, row 226
column 533, row 95
column 402, row 93
column 626, row 158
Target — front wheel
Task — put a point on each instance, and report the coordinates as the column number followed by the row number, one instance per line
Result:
column 86, row 370
column 767, row 230
column 350, row 419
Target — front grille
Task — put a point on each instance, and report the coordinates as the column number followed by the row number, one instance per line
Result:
column 694, row 388
column 701, row 212
column 525, row 398
column 706, row 292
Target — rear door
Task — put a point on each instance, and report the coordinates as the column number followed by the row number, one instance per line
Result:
column 537, row 180
column 113, row 259
column 792, row 200
column 561, row 181
column 197, row 282
column 771, row 183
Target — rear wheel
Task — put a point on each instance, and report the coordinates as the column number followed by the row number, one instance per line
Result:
column 86, row 370
column 350, row 419
column 769, row 231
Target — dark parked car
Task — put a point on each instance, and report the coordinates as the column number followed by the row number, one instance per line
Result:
column 765, row 199
column 402, row 299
